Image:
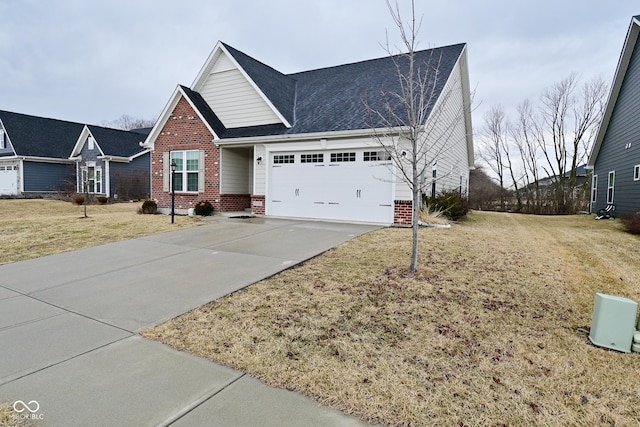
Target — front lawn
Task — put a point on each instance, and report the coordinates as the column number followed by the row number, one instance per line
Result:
column 35, row 228
column 493, row 330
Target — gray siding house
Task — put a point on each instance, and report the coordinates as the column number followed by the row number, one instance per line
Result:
column 111, row 163
column 34, row 154
column 41, row 155
column 615, row 157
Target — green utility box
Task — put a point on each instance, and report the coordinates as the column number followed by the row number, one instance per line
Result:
column 613, row 322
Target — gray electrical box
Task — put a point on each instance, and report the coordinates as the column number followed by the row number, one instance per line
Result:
column 613, row 322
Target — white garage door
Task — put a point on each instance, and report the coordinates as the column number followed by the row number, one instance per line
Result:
column 350, row 185
column 8, row 180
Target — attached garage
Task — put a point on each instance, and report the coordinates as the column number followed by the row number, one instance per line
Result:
column 350, row 185
column 8, row 179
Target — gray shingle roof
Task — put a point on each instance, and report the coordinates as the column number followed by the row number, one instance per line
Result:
column 39, row 136
column 332, row 99
column 115, row 142
column 42, row 137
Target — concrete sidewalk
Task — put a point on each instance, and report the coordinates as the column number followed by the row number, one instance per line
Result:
column 69, row 349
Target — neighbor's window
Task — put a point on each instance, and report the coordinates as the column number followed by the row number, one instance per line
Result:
column 636, row 173
column 2, row 140
column 90, row 143
column 610, row 186
column 343, row 157
column 594, row 189
column 185, row 178
column 92, row 179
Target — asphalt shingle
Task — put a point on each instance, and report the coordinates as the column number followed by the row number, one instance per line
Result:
column 333, row 98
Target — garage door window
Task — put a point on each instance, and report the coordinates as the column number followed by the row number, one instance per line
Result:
column 279, row 159
column 312, row 158
column 376, row 156
column 343, row 157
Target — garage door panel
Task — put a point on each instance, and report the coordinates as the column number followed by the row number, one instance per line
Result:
column 346, row 190
column 8, row 180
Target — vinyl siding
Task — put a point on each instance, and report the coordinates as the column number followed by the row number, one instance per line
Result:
column 236, row 171
column 620, row 149
column 46, row 177
column 130, row 180
column 446, row 142
column 236, row 101
column 259, row 174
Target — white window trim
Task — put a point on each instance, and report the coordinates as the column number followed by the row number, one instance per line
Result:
column 3, row 139
column 636, row 173
column 185, row 173
column 594, row 189
column 611, row 188
column 97, row 170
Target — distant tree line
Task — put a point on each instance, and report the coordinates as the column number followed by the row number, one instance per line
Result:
column 536, row 158
column 127, row 122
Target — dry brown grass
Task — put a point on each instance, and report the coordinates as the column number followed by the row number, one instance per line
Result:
column 490, row 332
column 10, row 418
column 34, row 228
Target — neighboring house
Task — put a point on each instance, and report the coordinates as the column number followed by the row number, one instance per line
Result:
column 34, row 154
column 615, row 157
column 580, row 194
column 111, row 162
column 41, row 155
column 245, row 136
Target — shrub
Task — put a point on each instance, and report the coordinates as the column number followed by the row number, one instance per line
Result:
column 631, row 223
column 449, row 203
column 78, row 200
column 102, row 200
column 203, row 208
column 148, row 207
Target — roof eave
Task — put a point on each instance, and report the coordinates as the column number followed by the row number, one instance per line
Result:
column 265, row 139
column 621, row 70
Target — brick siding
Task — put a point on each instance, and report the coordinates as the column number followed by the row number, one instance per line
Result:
column 403, row 212
column 234, row 202
column 185, row 131
column 257, row 204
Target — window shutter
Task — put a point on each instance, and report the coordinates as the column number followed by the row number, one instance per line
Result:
column 166, row 174
column 201, row 171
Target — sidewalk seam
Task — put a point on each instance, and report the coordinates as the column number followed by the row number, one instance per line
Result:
column 195, row 404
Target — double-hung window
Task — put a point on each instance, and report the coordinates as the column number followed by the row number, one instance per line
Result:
column 185, row 178
column 92, row 179
column 610, row 186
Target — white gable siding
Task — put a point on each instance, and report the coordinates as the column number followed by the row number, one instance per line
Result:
column 235, row 101
column 223, row 64
column 446, row 133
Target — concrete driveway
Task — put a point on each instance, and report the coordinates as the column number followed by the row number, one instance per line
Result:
column 69, row 350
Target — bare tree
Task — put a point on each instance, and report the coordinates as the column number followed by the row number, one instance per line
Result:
column 407, row 123
column 126, row 122
column 567, row 126
column 523, row 134
column 493, row 151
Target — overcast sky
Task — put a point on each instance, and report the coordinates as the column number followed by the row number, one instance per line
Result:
column 93, row 61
